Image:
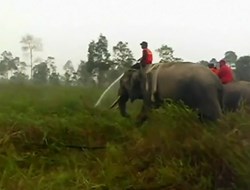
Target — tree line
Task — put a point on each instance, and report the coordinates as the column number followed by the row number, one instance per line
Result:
column 100, row 68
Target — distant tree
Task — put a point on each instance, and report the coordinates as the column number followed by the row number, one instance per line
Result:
column 68, row 67
column 7, row 55
column 92, row 57
column 166, row 54
column 45, row 71
column 69, row 72
column 230, row 57
column 123, row 56
column 13, row 65
column 40, row 73
column 98, row 58
column 122, row 60
column 4, row 63
column 243, row 68
column 9, row 64
column 30, row 44
column 203, row 62
column 54, row 76
column 51, row 64
column 21, row 66
column 213, row 60
column 84, row 77
column 19, row 77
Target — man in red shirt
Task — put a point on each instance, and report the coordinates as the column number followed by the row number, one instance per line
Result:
column 145, row 63
column 225, row 73
column 146, row 59
column 147, row 56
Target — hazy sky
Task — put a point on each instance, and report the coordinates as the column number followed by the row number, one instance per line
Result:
column 195, row 29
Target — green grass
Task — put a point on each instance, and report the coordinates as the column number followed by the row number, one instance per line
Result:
column 53, row 138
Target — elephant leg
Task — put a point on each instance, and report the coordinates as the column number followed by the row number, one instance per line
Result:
column 220, row 97
column 143, row 116
column 151, row 86
column 158, row 102
column 122, row 105
column 146, row 87
column 147, row 104
column 201, row 118
column 205, row 119
column 154, row 81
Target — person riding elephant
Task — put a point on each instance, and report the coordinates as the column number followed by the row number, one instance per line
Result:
column 225, row 73
column 143, row 65
column 147, row 57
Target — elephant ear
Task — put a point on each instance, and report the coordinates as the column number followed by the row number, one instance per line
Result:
column 131, row 78
column 135, row 81
column 129, row 75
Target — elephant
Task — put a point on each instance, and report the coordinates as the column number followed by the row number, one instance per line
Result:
column 234, row 93
column 193, row 84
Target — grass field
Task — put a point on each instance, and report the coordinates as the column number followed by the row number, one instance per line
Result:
column 53, row 138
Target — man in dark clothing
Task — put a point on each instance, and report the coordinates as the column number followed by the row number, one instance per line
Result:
column 225, row 73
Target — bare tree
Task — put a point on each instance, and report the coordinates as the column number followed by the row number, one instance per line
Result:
column 30, row 44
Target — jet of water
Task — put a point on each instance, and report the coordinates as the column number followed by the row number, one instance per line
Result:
column 107, row 89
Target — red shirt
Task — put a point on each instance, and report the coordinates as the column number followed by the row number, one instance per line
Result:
column 147, row 56
column 225, row 74
column 214, row 70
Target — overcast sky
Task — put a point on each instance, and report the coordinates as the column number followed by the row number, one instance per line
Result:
column 195, row 29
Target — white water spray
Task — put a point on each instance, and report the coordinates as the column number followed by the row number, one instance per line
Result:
column 107, row 89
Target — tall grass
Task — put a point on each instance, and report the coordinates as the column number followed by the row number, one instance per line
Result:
column 53, row 138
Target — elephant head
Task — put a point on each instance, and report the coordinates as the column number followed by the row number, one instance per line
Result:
column 130, row 89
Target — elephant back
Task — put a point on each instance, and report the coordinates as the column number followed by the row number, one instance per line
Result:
column 193, row 84
column 235, row 93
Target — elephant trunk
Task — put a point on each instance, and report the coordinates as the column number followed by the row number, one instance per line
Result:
column 122, row 105
column 121, row 101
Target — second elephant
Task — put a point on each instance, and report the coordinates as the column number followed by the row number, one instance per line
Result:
column 234, row 94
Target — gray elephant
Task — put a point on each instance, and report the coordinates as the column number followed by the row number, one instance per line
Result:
column 194, row 84
column 234, row 94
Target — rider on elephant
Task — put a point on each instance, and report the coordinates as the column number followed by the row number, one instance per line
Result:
column 225, row 73
column 145, row 64
column 147, row 56
column 146, row 59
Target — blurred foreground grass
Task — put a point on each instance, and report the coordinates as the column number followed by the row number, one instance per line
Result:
column 44, row 132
